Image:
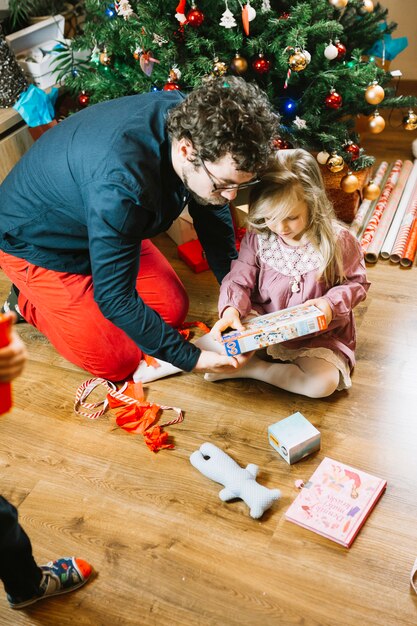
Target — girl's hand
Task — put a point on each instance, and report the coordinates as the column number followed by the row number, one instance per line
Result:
column 12, row 358
column 229, row 319
column 323, row 305
column 219, row 363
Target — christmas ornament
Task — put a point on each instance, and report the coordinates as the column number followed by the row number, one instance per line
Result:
column 367, row 6
column 307, row 56
column 160, row 41
column 195, row 17
column 228, row 19
column 110, row 11
column 349, row 183
column 239, row 64
column 266, row 6
column 261, row 65
column 352, row 149
column 251, row 12
column 146, row 62
column 341, row 49
column 335, row 163
column 12, row 78
column 330, row 52
column 339, row 4
column 245, row 19
column 323, row 157
column 137, row 53
column 170, row 86
column 300, row 123
column 219, row 67
column 280, row 144
column 410, row 120
column 297, row 61
column 180, row 12
column 376, row 123
column 333, row 100
column 288, row 108
column 83, row 99
column 371, row 191
column 374, row 94
column 123, row 8
column 284, row 16
column 105, row 58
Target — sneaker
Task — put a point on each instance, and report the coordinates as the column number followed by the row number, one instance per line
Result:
column 12, row 305
column 60, row 576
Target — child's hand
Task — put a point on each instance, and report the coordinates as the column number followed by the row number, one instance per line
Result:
column 323, row 305
column 12, row 358
column 229, row 319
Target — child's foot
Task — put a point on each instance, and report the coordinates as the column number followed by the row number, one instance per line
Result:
column 60, row 576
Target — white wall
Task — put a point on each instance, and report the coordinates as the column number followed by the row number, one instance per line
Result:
column 404, row 12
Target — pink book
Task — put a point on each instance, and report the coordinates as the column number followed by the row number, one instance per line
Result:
column 336, row 501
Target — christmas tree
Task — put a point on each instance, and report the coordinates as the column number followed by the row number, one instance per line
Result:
column 308, row 55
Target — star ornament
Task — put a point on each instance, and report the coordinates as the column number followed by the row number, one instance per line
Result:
column 300, row 123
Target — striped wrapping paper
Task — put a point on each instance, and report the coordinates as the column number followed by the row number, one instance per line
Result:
column 398, row 248
column 375, row 246
column 409, row 192
column 411, row 247
column 358, row 224
column 369, row 232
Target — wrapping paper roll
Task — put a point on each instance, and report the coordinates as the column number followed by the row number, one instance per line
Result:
column 399, row 246
column 409, row 192
column 411, row 247
column 358, row 224
column 375, row 246
column 370, row 230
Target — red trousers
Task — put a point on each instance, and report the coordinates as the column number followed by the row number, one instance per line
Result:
column 62, row 307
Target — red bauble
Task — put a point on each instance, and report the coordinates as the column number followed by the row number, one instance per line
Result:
column 284, row 16
column 83, row 99
column 353, row 150
column 280, row 144
column 333, row 100
column 195, row 18
column 261, row 65
column 170, row 86
column 341, row 49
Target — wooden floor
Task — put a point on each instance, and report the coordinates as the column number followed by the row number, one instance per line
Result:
column 166, row 550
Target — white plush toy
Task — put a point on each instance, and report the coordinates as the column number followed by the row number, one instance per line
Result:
column 238, row 482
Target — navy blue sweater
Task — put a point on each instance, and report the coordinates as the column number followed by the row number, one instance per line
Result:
column 88, row 192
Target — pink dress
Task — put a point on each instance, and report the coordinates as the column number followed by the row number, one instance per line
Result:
column 270, row 275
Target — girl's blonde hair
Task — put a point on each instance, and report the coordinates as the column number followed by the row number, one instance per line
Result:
column 294, row 175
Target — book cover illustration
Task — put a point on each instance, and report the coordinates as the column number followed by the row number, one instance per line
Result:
column 336, row 501
column 276, row 327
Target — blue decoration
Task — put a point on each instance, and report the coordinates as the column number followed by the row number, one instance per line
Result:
column 393, row 47
column 111, row 11
column 37, row 107
column 154, row 88
column 288, row 108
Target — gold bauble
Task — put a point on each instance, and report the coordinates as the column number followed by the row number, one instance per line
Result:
column 239, row 65
column 367, row 6
column 376, row 124
column 339, row 4
column 371, row 191
column 298, row 61
column 323, row 157
column 410, row 121
column 349, row 183
column 219, row 68
column 105, row 58
column 335, row 163
column 374, row 94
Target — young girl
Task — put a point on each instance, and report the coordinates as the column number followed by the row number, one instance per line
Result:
column 294, row 252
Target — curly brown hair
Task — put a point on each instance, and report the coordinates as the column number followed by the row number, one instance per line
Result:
column 227, row 115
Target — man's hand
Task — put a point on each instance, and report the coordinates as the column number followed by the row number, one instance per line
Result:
column 323, row 305
column 12, row 358
column 229, row 319
column 219, row 363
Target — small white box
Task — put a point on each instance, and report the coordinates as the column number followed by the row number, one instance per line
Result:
column 38, row 41
column 294, row 437
column 182, row 230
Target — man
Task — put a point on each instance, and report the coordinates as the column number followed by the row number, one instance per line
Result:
column 77, row 212
column 24, row 581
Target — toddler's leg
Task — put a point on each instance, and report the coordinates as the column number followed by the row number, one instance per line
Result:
column 308, row 376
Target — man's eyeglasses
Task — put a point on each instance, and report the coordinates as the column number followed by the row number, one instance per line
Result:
column 231, row 187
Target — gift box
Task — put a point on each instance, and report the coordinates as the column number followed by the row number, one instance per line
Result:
column 192, row 254
column 294, row 437
column 182, row 230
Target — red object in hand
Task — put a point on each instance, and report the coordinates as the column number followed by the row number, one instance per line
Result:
column 192, row 253
column 5, row 388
